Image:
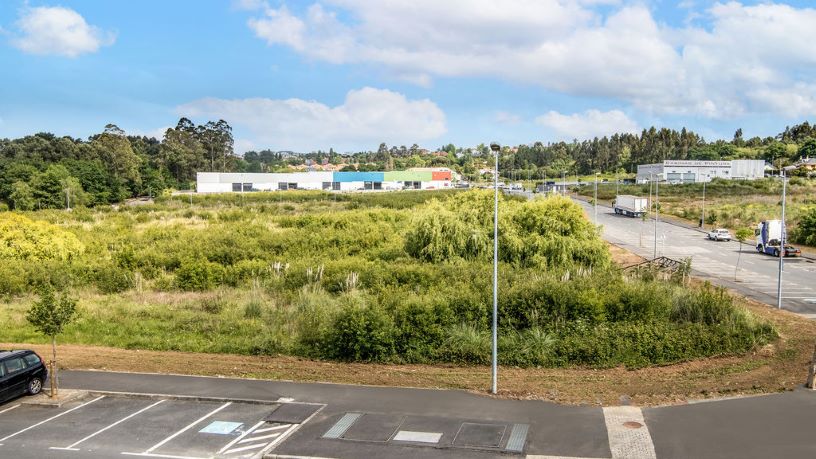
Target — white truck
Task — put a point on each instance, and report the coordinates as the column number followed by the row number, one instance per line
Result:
column 631, row 206
column 769, row 236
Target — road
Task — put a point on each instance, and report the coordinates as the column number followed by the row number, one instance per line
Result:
column 341, row 421
column 715, row 261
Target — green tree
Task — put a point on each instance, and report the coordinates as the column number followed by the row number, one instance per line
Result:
column 116, row 152
column 22, row 197
column 49, row 316
column 741, row 235
column 807, row 149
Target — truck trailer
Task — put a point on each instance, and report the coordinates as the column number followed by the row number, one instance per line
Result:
column 631, row 206
column 769, row 239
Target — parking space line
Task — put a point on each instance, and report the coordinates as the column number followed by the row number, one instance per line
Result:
column 272, row 435
column 249, row 431
column 10, row 408
column 167, row 456
column 51, row 418
column 72, row 447
column 190, row 426
column 268, row 429
column 245, row 448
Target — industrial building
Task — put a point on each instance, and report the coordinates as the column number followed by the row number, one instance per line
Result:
column 225, row 182
column 691, row 171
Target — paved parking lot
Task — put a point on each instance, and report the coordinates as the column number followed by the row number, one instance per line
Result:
column 117, row 426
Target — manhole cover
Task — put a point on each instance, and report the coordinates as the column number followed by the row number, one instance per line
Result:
column 632, row 425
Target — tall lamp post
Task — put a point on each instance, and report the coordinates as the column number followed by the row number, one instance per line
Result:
column 782, row 238
column 657, row 212
column 702, row 218
column 595, row 201
column 564, row 179
column 494, row 366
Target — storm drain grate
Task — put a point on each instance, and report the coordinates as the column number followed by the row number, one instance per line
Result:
column 341, row 426
column 291, row 413
column 518, row 436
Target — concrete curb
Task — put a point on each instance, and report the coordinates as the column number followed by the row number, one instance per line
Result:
column 65, row 396
column 196, row 398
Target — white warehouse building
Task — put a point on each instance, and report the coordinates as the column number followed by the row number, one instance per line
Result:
column 225, row 182
column 693, row 171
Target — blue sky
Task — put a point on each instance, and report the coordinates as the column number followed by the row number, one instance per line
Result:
column 348, row 74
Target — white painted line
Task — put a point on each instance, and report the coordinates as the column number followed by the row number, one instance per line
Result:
column 10, row 408
column 190, row 426
column 73, row 445
column 539, row 456
column 51, row 418
column 249, row 431
column 628, row 441
column 167, row 456
column 264, row 452
column 269, row 429
column 418, row 437
column 244, row 448
column 264, row 437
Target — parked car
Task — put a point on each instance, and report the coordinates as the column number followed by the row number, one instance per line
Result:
column 21, row 372
column 719, row 234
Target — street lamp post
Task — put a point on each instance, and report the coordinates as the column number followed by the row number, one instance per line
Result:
column 595, row 201
column 657, row 212
column 781, row 240
column 564, row 178
column 494, row 358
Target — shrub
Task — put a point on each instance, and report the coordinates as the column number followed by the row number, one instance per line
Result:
column 362, row 334
column 806, row 231
column 467, row 344
column 113, row 279
column 198, row 275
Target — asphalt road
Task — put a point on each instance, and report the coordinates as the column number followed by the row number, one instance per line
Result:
column 355, row 421
column 716, row 261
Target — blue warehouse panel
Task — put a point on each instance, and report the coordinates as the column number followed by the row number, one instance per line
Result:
column 358, row 177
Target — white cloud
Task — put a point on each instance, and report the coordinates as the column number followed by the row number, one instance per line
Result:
column 157, row 133
column 504, row 117
column 586, row 125
column 58, row 31
column 569, row 46
column 366, row 117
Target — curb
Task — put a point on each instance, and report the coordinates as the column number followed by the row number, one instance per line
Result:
column 196, row 398
column 69, row 395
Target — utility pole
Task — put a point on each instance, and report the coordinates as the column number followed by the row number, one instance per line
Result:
column 781, row 242
column 494, row 358
column 564, row 178
column 702, row 219
column 67, row 199
column 657, row 213
column 595, row 200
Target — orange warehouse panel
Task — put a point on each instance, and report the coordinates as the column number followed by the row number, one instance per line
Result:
column 441, row 175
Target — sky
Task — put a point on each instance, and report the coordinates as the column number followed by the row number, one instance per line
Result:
column 349, row 74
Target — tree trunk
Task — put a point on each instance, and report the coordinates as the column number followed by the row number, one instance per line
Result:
column 736, row 269
column 811, row 381
column 54, row 359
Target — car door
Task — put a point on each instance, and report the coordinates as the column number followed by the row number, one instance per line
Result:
column 4, row 389
column 15, row 375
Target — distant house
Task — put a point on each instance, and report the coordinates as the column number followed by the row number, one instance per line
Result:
column 806, row 164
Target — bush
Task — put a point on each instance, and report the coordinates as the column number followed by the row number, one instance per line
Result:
column 467, row 344
column 113, row 279
column 362, row 334
column 806, row 231
column 198, row 275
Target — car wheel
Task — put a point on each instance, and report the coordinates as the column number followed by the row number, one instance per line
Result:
column 776, row 253
column 34, row 386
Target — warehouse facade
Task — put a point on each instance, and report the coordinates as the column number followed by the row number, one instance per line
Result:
column 681, row 171
column 226, row 182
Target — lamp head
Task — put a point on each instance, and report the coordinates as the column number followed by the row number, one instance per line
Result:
column 495, row 146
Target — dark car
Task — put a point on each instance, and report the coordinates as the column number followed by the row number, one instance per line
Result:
column 21, row 372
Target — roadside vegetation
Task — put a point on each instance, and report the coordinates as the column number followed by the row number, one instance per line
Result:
column 388, row 277
column 732, row 204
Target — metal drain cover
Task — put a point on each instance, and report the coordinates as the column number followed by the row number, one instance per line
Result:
column 480, row 435
column 291, row 413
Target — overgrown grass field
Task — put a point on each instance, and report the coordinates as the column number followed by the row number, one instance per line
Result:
column 387, row 277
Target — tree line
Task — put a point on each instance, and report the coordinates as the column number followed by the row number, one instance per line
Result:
column 46, row 171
